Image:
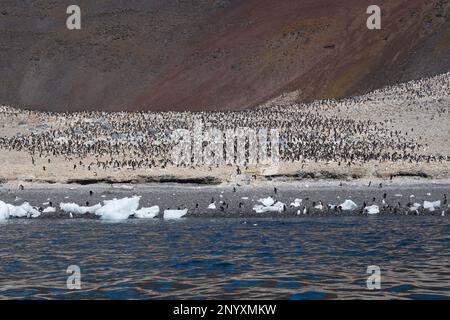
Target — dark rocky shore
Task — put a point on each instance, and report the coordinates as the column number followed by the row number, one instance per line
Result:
column 238, row 201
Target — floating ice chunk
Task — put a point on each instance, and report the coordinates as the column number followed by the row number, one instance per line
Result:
column 147, row 213
column 74, row 208
column 296, row 203
column 17, row 211
column 348, row 205
column 373, row 209
column 212, row 206
column 277, row 207
column 118, row 209
column 4, row 211
column 267, row 201
column 49, row 210
column 259, row 208
column 431, row 205
column 174, row 214
column 415, row 207
column 24, row 210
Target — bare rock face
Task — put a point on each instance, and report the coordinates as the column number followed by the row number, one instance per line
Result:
column 212, row 54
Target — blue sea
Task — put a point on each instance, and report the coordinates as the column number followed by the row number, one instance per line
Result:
column 227, row 258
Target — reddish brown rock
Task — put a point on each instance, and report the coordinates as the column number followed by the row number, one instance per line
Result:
column 213, row 54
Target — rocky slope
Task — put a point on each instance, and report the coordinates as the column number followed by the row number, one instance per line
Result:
column 212, row 54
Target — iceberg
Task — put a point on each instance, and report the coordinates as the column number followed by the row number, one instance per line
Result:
column 296, row 203
column 174, row 214
column 431, row 205
column 49, row 210
column 24, row 210
column 74, row 208
column 373, row 209
column 267, row 201
column 4, row 211
column 17, row 211
column 348, row 205
column 118, row 209
column 277, row 207
column 147, row 213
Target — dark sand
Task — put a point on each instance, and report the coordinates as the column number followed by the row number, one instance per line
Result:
column 399, row 196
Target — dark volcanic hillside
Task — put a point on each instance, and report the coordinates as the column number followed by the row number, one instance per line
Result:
column 212, row 54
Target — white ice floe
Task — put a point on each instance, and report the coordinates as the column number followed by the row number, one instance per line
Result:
column 259, row 208
column 49, row 210
column 277, row 207
column 348, row 205
column 212, row 206
column 118, row 209
column 22, row 211
column 431, row 205
column 297, row 202
column 174, row 214
column 4, row 211
column 415, row 207
column 147, row 213
column 373, row 209
column 74, row 208
column 267, row 201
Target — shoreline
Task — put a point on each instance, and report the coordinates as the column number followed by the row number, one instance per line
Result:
column 238, row 201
